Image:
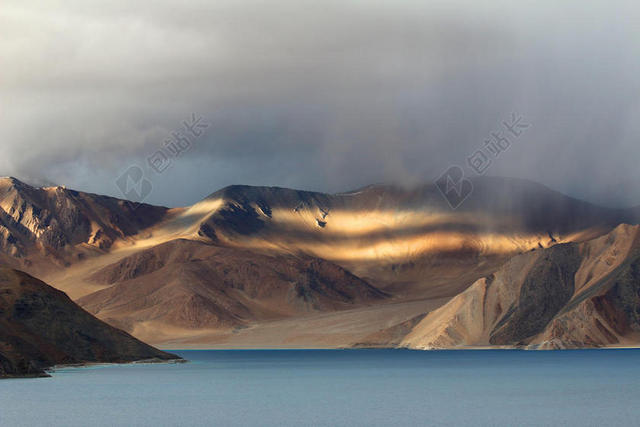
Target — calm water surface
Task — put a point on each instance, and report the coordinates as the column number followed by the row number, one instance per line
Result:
column 341, row 387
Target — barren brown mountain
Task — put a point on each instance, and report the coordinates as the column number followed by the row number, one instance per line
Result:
column 274, row 267
column 193, row 285
column 568, row 296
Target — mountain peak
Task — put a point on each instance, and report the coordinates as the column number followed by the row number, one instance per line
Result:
column 13, row 182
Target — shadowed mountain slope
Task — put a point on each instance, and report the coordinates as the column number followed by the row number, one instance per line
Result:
column 41, row 327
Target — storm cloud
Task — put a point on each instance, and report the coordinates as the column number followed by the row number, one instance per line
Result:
column 325, row 96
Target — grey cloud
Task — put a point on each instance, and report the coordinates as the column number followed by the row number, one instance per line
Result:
column 320, row 95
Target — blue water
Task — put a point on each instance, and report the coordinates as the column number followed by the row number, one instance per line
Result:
column 341, row 387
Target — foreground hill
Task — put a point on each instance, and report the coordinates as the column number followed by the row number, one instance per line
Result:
column 568, row 296
column 41, row 327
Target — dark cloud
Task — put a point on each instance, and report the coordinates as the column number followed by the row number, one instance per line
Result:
column 320, row 95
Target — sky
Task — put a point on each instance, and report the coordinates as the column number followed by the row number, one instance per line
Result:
column 187, row 97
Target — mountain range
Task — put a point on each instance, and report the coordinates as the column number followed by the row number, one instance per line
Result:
column 516, row 265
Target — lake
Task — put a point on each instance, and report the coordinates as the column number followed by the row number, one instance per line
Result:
column 338, row 387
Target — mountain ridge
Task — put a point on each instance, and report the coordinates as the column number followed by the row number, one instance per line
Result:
column 246, row 258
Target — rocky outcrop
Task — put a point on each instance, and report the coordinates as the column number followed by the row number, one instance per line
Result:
column 547, row 288
column 609, row 314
